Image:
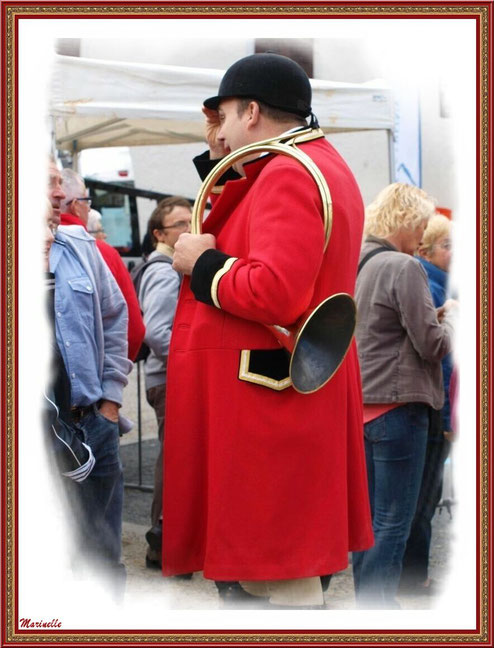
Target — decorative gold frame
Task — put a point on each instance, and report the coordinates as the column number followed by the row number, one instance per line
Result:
column 12, row 12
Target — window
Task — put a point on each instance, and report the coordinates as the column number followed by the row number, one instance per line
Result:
column 118, row 216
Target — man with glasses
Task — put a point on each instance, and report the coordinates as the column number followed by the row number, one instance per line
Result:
column 55, row 195
column 90, row 327
column 158, row 293
column 76, row 209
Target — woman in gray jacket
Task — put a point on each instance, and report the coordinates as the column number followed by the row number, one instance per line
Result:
column 401, row 342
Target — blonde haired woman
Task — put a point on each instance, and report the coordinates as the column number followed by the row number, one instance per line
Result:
column 400, row 343
column 435, row 248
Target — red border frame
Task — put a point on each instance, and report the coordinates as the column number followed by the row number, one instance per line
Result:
column 25, row 634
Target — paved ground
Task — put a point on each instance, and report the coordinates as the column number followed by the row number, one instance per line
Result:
column 200, row 593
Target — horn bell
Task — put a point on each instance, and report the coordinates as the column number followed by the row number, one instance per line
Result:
column 322, row 343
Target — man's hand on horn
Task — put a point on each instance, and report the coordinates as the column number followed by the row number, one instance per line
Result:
column 189, row 248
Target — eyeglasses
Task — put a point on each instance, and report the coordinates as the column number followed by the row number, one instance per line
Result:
column 88, row 200
column 178, row 225
column 98, row 231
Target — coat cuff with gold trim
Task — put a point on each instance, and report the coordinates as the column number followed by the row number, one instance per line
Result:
column 208, row 270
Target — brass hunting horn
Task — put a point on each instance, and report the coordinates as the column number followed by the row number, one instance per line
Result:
column 318, row 345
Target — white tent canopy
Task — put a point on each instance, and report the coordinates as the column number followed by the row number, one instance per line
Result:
column 97, row 103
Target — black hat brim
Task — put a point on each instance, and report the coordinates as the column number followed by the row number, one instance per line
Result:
column 213, row 102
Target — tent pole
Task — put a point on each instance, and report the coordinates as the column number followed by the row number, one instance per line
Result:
column 53, row 138
column 75, row 157
column 391, row 156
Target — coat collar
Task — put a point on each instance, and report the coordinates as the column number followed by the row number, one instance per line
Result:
column 380, row 241
column 234, row 190
column 233, row 193
column 165, row 249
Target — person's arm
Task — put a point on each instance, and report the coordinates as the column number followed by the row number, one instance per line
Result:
column 206, row 162
column 274, row 283
column 418, row 316
column 217, row 148
column 158, row 297
column 114, row 314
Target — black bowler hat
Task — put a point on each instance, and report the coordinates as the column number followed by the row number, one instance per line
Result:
column 271, row 78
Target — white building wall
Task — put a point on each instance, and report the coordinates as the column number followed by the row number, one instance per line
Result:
column 366, row 152
column 357, row 60
column 439, row 176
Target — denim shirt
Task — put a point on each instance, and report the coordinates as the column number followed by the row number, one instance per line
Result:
column 90, row 319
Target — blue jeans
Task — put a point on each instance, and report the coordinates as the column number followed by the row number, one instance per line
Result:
column 416, row 558
column 395, row 445
column 100, row 501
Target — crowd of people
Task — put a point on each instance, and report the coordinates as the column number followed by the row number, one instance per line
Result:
column 264, row 489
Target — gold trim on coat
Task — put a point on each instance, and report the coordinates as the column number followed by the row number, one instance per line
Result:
column 216, row 279
column 259, row 379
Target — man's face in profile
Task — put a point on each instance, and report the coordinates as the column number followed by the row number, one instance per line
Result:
column 55, row 192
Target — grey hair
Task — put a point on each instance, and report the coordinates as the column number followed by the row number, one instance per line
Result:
column 93, row 220
column 73, row 186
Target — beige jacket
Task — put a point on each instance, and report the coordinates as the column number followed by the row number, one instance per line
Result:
column 399, row 339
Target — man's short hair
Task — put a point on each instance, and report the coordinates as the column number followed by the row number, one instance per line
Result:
column 163, row 208
column 73, row 186
column 275, row 114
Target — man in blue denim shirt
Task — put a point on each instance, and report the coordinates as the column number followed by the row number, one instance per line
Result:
column 91, row 332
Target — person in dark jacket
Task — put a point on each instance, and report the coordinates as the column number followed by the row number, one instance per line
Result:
column 435, row 257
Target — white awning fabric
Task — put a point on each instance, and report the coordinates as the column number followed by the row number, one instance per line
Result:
column 97, row 103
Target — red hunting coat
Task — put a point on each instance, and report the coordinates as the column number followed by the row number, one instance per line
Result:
column 262, row 482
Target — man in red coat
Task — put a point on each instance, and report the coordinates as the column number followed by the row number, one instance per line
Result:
column 264, row 486
column 77, row 205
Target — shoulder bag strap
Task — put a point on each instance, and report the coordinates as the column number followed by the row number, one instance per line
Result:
column 369, row 256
